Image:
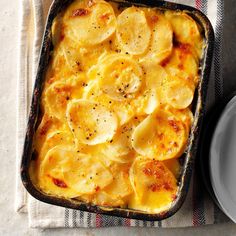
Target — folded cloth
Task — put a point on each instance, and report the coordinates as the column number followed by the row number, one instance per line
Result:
column 198, row 209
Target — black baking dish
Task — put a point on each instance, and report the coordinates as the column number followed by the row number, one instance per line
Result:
column 199, row 108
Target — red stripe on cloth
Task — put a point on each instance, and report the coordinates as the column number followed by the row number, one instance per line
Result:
column 98, row 220
column 127, row 222
column 198, row 4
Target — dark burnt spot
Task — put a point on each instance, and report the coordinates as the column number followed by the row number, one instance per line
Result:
column 45, row 127
column 80, row 12
column 154, row 19
column 174, row 125
column 59, row 183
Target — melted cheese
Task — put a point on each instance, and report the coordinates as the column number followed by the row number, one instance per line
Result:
column 63, row 166
column 133, row 32
column 154, row 185
column 91, row 123
column 160, row 136
column 161, row 43
column 89, row 24
column 116, row 105
column 120, row 76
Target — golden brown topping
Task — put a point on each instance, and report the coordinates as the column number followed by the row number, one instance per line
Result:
column 174, row 125
column 80, row 12
column 45, row 127
column 59, row 183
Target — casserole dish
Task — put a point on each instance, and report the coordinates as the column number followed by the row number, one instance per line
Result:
column 188, row 156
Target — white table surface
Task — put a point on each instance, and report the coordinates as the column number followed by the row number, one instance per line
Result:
column 12, row 223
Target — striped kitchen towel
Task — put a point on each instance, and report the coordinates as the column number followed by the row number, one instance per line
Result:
column 198, row 208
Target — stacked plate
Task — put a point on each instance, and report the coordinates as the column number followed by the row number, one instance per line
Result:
column 219, row 170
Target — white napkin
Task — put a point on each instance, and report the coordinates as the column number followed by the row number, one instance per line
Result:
column 198, row 209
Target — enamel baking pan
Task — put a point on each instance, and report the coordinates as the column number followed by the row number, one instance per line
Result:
column 187, row 160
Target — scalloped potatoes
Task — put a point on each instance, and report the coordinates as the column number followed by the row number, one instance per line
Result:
column 116, row 105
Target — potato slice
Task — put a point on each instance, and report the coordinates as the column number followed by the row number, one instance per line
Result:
column 160, row 136
column 51, row 179
column 185, row 115
column 179, row 94
column 91, row 122
column 101, row 198
column 152, row 93
column 89, row 24
column 60, row 93
column 47, row 125
column 119, row 148
column 186, row 30
column 80, row 172
column 104, row 199
column 56, row 138
column 121, row 77
column 133, row 32
column 124, row 109
column 87, row 175
column 162, row 37
column 155, row 74
column 154, row 185
column 120, row 187
column 147, row 102
column 183, row 64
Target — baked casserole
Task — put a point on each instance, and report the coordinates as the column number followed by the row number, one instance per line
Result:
column 116, row 105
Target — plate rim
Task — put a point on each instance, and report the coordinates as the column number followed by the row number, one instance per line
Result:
column 212, row 163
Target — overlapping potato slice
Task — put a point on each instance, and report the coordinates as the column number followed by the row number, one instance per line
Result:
column 72, row 56
column 185, row 115
column 101, row 198
column 147, row 102
column 124, row 109
column 186, row 30
column 119, row 149
column 133, row 32
column 47, row 125
column 104, row 199
column 154, row 185
column 179, row 94
column 57, row 28
column 155, row 75
column 91, row 122
column 160, row 136
column 114, row 193
column 51, row 176
column 89, row 23
column 152, row 92
column 120, row 187
column 65, row 168
column 66, row 60
column 61, row 92
column 55, row 138
column 87, row 175
column 183, row 65
column 162, row 37
column 71, row 59
column 121, row 76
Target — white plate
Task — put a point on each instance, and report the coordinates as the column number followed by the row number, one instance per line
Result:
column 223, row 160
